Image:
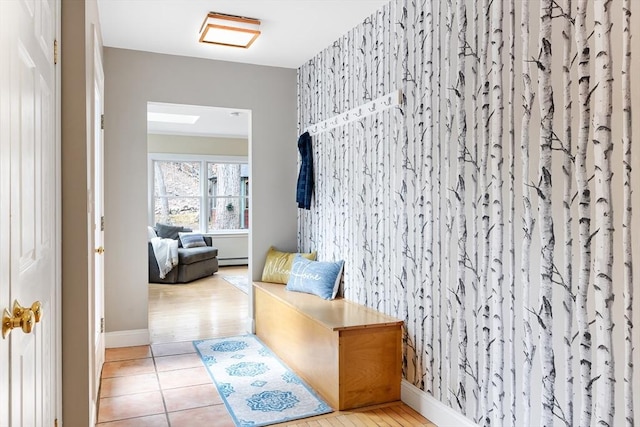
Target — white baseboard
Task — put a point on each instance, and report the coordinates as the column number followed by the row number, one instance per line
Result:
column 129, row 338
column 431, row 408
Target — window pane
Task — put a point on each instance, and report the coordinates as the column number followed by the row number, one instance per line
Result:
column 228, row 196
column 178, row 211
column 227, row 179
column 177, row 178
column 228, row 213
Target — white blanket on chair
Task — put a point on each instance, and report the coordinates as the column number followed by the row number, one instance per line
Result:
column 166, row 252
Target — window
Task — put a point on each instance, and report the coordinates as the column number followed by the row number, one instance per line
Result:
column 204, row 194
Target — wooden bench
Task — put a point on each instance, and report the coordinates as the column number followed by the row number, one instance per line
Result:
column 350, row 354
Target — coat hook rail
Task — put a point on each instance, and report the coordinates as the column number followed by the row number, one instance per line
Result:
column 389, row 100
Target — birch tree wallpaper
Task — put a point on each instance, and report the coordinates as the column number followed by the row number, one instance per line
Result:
column 492, row 211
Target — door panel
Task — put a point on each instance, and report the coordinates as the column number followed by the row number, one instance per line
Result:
column 23, row 150
column 30, row 7
column 44, row 16
column 28, row 158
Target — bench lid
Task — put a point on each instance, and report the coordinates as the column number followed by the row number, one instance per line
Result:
column 338, row 314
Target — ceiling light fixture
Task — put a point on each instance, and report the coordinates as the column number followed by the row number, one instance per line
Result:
column 229, row 30
column 184, row 119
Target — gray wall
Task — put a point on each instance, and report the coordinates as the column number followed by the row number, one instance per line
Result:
column 133, row 78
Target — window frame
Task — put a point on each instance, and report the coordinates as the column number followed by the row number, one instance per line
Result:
column 203, row 159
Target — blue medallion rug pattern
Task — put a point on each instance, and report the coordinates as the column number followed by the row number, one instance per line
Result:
column 256, row 386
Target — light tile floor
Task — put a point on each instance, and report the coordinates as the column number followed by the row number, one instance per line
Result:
column 160, row 385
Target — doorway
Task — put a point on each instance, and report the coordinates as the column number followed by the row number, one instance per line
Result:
column 199, row 180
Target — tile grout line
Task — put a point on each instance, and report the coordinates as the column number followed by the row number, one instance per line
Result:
column 164, row 403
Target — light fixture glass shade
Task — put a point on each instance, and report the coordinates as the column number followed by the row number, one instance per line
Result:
column 229, row 30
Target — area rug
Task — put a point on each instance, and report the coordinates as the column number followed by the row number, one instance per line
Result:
column 241, row 282
column 256, row 386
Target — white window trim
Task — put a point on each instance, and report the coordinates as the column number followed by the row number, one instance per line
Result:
column 224, row 233
column 198, row 158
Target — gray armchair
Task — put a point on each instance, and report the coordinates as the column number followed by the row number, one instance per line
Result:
column 193, row 264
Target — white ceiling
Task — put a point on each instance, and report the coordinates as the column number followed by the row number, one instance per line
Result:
column 293, row 31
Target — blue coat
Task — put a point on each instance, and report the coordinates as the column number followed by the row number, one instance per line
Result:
column 305, row 177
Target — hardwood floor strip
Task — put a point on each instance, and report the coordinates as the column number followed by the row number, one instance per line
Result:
column 377, row 415
column 345, row 420
column 366, row 418
column 411, row 413
column 357, row 420
column 382, row 413
column 407, row 418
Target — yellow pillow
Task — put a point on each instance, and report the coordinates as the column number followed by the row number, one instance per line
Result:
column 278, row 265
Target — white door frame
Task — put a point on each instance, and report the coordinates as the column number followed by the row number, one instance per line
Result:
column 5, row 189
column 95, row 165
column 58, row 231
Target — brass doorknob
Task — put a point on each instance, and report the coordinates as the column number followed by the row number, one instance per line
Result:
column 99, row 250
column 36, row 308
column 22, row 318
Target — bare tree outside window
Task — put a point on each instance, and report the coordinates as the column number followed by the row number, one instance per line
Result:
column 162, row 208
column 225, row 190
column 177, row 193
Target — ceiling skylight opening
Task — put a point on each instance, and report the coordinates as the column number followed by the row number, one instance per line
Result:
column 229, row 30
column 183, row 119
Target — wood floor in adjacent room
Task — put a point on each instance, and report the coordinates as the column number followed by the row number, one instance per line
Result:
column 205, row 308
column 165, row 384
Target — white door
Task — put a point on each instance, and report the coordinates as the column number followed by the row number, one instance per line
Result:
column 98, row 220
column 29, row 254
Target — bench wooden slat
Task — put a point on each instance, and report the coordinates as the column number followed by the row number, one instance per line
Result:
column 350, row 354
